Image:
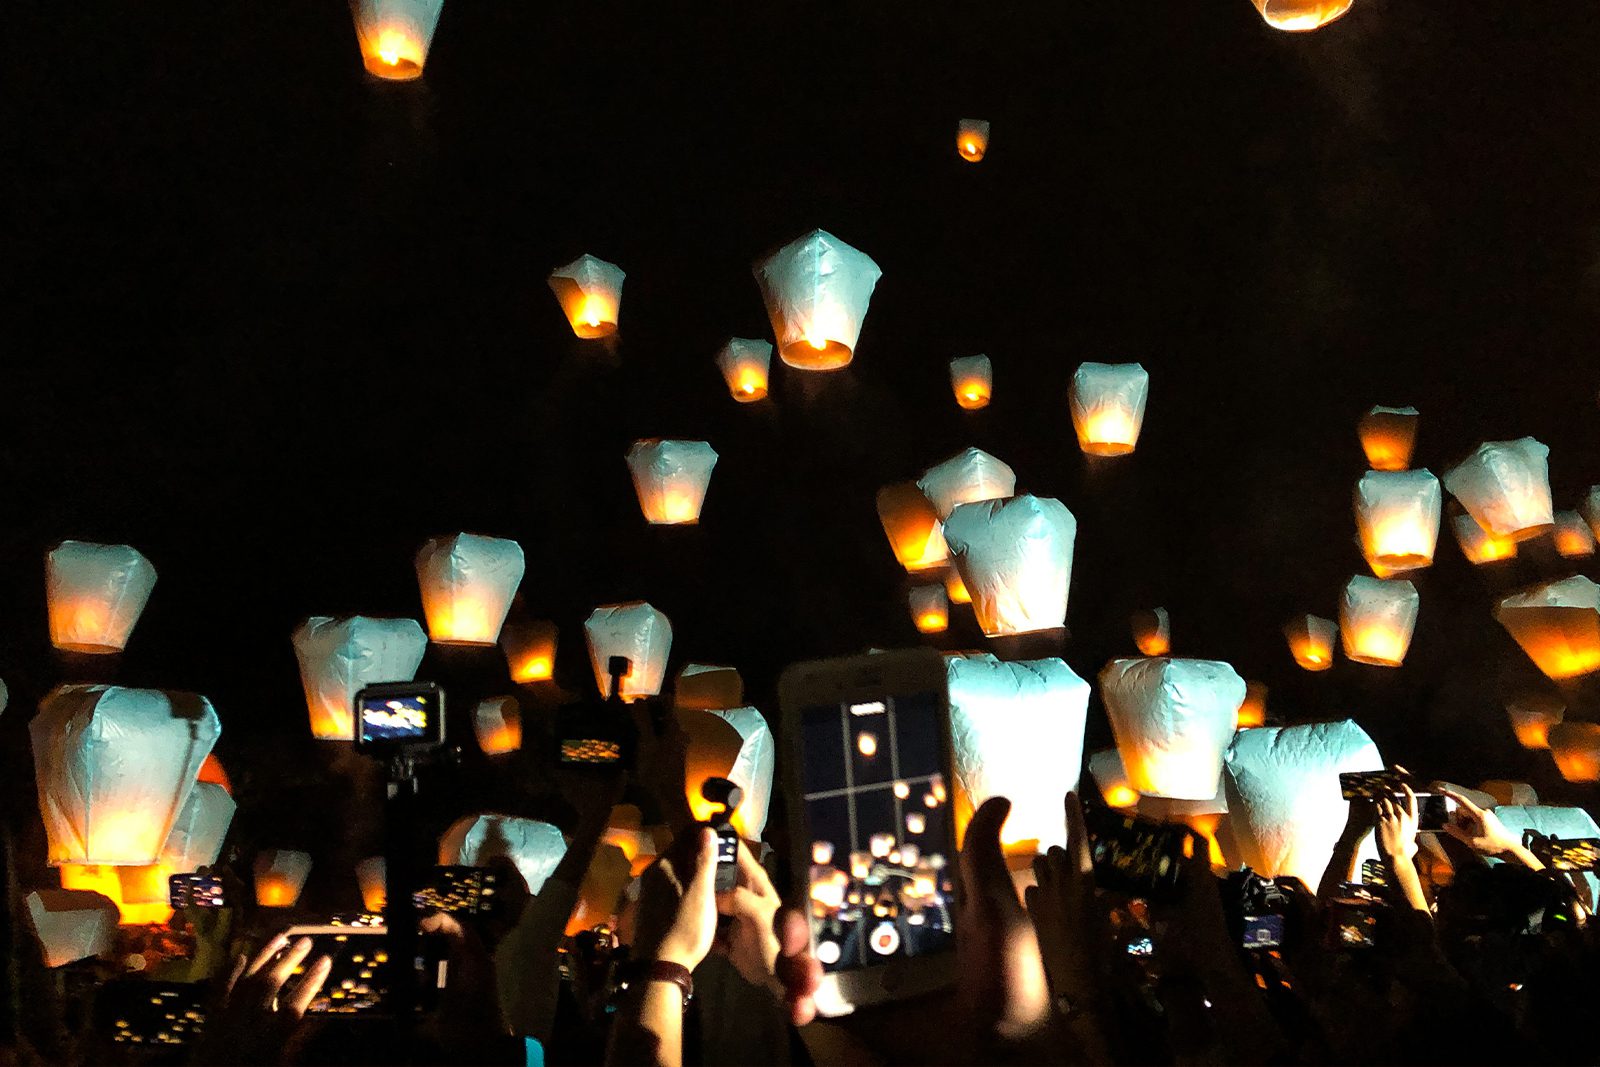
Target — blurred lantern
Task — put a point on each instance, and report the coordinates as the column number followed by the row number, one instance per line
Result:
column 1284, row 800
column 1310, row 640
column 955, row 588
column 72, row 924
column 467, row 583
column 1558, row 625
column 1387, row 437
column 281, row 875
column 1532, row 716
column 1298, row 16
column 1017, row 731
column 972, row 139
column 372, row 875
column 1478, row 544
column 639, row 843
column 966, row 478
column 1107, row 401
column 1111, row 778
column 1152, row 631
column 601, row 889
column 1505, row 485
column 930, row 608
column 1397, row 518
column 912, row 525
column 395, row 35
column 1253, row 712
column 735, row 744
column 1576, row 748
column 1172, row 719
column 146, row 889
column 1591, row 510
column 589, row 291
column 96, row 594
column 1377, row 618
column 199, row 831
column 707, row 687
column 212, row 771
column 534, row 848
column 671, row 478
column 1573, row 538
column 114, row 767
column 817, row 289
column 1520, row 794
column 1015, row 558
column 339, row 657
column 498, row 724
column 637, row 632
column 530, row 649
column 745, row 363
column 972, row 378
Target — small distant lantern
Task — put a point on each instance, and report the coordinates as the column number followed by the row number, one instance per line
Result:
column 372, row 875
column 639, row 633
column 912, row 525
column 1573, row 538
column 1253, row 712
column 671, row 478
column 281, row 875
column 1300, row 16
column 972, row 139
column 498, row 724
column 708, row 687
column 395, row 35
column 1377, row 619
column 339, row 657
column 966, row 478
column 1310, row 640
column 972, row 378
column 1505, row 485
column 930, row 608
column 467, row 583
column 1397, row 518
column 589, row 291
column 736, row 744
column 745, row 364
column 955, row 588
column 96, row 594
column 530, row 649
column 817, row 290
column 1558, row 625
column 1478, row 544
column 1107, row 401
column 1111, row 778
column 1172, row 719
column 72, row 924
column 1576, row 748
column 534, row 848
column 1015, row 558
column 1388, row 436
column 1152, row 631
column 1532, row 716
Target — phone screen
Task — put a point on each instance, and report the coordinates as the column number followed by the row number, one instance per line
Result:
column 882, row 837
column 195, row 891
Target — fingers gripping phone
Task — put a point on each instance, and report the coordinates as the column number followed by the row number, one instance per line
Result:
column 868, row 747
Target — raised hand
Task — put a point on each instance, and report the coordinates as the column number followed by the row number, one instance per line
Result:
column 1002, row 976
column 264, row 1003
column 1397, row 825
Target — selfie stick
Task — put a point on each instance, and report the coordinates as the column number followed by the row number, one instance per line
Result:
column 400, row 876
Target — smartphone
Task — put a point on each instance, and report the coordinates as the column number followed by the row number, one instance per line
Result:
column 196, row 891
column 1136, row 856
column 133, row 1011
column 1374, row 873
column 1353, row 917
column 1577, row 854
column 358, row 984
column 400, row 715
column 459, row 891
column 869, row 757
column 1262, row 931
column 1373, row 785
column 1433, row 812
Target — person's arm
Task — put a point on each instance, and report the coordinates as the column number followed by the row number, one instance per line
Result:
column 1397, row 844
column 768, row 945
column 1342, row 864
column 1482, row 831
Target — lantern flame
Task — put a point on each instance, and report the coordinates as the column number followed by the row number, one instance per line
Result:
column 1300, row 16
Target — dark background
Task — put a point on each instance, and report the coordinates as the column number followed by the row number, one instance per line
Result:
column 274, row 324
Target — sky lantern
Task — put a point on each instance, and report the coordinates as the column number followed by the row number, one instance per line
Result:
column 1152, row 631
column 137, row 908
column 955, row 588
column 280, row 875
column 1015, row 558
column 1397, row 518
column 340, row 657
column 1253, row 712
column 639, row 633
column 1388, row 436
column 1576, row 748
column 707, row 687
column 589, row 291
column 1557, row 624
column 972, row 139
column 1591, row 510
column 1377, row 618
column 1107, row 401
column 745, row 364
column 1172, row 719
column 395, row 35
column 1478, row 544
column 1573, row 538
column 1505, row 485
column 736, row 744
column 1111, row 778
column 912, row 525
column 72, row 924
column 1505, row 791
column 671, row 478
column 535, row 848
column 96, row 594
column 600, row 891
column 817, row 289
column 467, row 582
column 1299, row 16
column 1532, row 716
column 114, row 767
column 530, row 649
column 372, row 876
column 930, row 608
column 972, row 378
column 966, row 478
column 497, row 721
column 199, row 831
column 1310, row 640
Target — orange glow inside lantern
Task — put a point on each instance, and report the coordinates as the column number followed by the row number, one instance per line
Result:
column 1310, row 640
column 372, row 875
column 912, row 526
column 95, row 594
column 276, row 891
column 1557, row 625
column 930, row 608
column 1576, row 748
column 1152, row 631
column 1532, row 717
column 395, row 56
column 1388, row 436
column 1300, row 16
column 589, row 290
column 972, row 139
column 1253, row 712
column 956, row 589
column 608, row 875
column 1206, row 826
column 530, row 649
column 212, row 771
column 1397, row 519
column 498, row 726
column 1108, row 403
column 746, row 365
column 1478, row 544
column 109, row 882
column 1572, row 535
column 972, row 379
column 280, row 876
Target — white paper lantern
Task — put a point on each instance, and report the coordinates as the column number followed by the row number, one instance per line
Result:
column 1575, row 746
column 497, row 722
column 1310, row 640
column 280, row 876
column 817, row 289
column 1505, row 485
column 340, row 657
column 534, row 848
column 589, row 291
column 736, row 744
column 967, row 477
column 1507, row 792
column 1152, row 631
column 1015, row 558
column 912, row 525
column 72, row 924
column 96, row 594
column 745, row 364
column 1388, row 436
column 1300, row 16
column 671, row 478
column 1478, row 544
column 708, row 687
column 1172, row 719
column 1107, row 402
column 1397, row 518
column 372, row 876
column 467, row 582
column 1558, row 625
column 395, row 35
column 930, row 608
column 1377, row 618
column 972, row 139
column 972, row 378
column 637, row 632
column 199, row 830
column 1569, row 824
column 1573, row 538
column 1532, row 716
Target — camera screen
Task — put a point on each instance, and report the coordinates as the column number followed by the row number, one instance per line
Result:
column 1262, row 931
column 195, row 891
column 878, row 812
column 459, row 891
column 396, row 718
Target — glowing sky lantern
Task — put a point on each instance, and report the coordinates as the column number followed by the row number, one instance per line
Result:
column 1478, row 544
column 143, row 904
column 372, row 876
column 1310, row 640
column 955, row 588
column 339, row 657
column 280, row 875
column 1015, row 558
column 1172, row 719
column 736, row 744
column 966, row 478
column 1300, row 16
column 745, row 364
column 497, row 722
column 72, row 924
column 142, row 892
column 637, row 632
column 1558, row 625
column 1377, row 618
column 1253, row 712
column 912, row 525
column 707, row 687
column 1397, row 518
column 213, row 771
column 589, row 291
column 1152, row 631
column 530, row 648
column 1111, row 778
column 930, row 608
column 1576, row 748
column 1573, row 538
column 972, row 139
column 817, row 290
column 535, row 848
column 671, row 478
column 972, row 379
column 1388, row 436
column 1532, row 716
column 395, row 35
column 1107, row 401
column 467, row 582
column 96, row 594
column 1505, row 485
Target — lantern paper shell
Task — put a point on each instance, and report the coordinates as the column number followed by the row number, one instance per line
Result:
column 395, row 35
column 281, row 875
column 139, row 893
column 1284, row 799
column 1572, row 535
column 96, row 594
column 817, row 289
column 1152, row 631
column 498, row 724
column 534, row 848
column 1377, row 618
column 1253, row 712
column 1015, row 558
column 966, row 478
column 467, row 582
column 912, row 525
column 972, row 378
column 1517, row 794
column 199, row 831
column 1569, row 824
column 339, row 657
column 114, row 768
column 1576, row 748
column 671, row 478
column 637, row 632
column 1397, row 518
column 1300, row 16
column 72, row 924
column 930, row 608
column 745, row 364
column 598, row 894
column 625, row 829
column 1557, row 625
column 530, row 649
column 707, row 687
column 1388, row 436
column 1107, row 402
column 1017, row 731
column 589, row 291
column 372, row 875
column 1532, row 717
column 1310, row 640
column 955, row 588
column 1111, row 778
column 1478, row 544
column 972, row 139
column 735, row 744
column 1591, row 510
column 1172, row 719
column 1505, row 485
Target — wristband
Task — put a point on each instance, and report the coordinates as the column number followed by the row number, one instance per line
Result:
column 636, row 975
